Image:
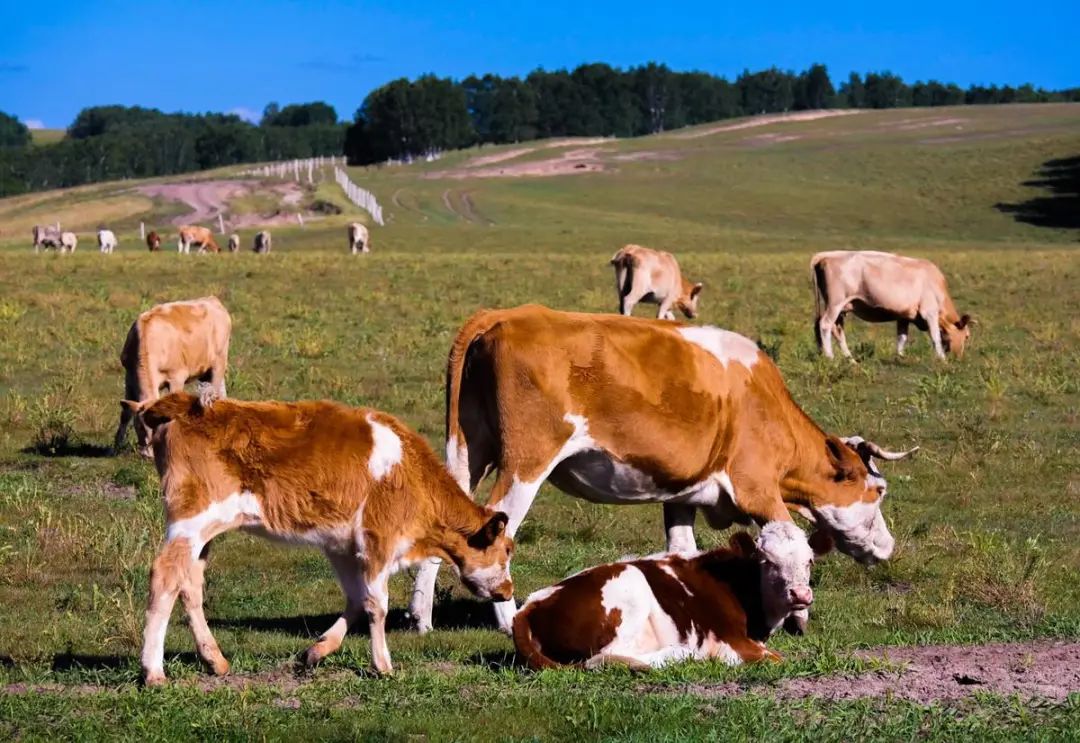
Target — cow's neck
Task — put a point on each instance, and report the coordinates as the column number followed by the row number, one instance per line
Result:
column 742, row 576
column 455, row 517
column 807, row 477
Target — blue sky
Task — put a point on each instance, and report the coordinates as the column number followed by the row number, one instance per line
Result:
column 57, row 57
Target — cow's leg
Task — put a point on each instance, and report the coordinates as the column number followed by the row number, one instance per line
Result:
column 217, row 375
column 679, row 525
column 513, row 497
column 377, row 603
column 838, row 330
column 348, row 571
column 664, row 311
column 901, row 336
column 169, row 573
column 935, row 335
column 177, row 381
column 191, row 592
column 825, row 328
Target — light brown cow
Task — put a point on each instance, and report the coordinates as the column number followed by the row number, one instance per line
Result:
column 883, row 287
column 168, row 345
column 68, row 242
column 194, row 235
column 359, row 242
column 626, row 410
column 46, row 237
column 653, row 276
column 262, row 242
column 234, row 242
column 355, row 483
column 666, row 608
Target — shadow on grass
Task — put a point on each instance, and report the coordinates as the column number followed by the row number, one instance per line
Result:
column 496, row 661
column 80, row 662
column 1060, row 209
column 70, row 449
column 449, row 614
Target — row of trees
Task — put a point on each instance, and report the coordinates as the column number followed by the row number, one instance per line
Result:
column 115, row 142
column 406, row 119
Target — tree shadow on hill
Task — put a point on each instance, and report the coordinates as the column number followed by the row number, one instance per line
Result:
column 1061, row 208
column 452, row 613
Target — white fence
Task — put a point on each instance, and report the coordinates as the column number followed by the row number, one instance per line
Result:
column 311, row 167
column 359, row 196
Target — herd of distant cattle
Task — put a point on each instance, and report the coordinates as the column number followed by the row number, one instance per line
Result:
column 608, row 408
column 46, row 237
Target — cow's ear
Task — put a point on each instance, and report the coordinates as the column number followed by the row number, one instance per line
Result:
column 964, row 321
column 696, row 290
column 842, row 458
column 492, row 529
column 742, row 543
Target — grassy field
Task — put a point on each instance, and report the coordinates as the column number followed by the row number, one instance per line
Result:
column 986, row 517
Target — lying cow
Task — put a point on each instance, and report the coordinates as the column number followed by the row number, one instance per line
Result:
column 653, row 276
column 234, row 242
column 648, row 612
column 168, row 345
column 262, row 241
column 153, row 242
column 46, row 237
column 106, row 241
column 883, row 287
column 358, row 239
column 194, row 235
column 355, row 483
column 626, row 410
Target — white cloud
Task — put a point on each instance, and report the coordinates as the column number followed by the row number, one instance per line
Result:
column 246, row 114
column 34, row 123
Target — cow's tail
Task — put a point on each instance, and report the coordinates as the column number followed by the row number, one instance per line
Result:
column 817, row 281
column 457, row 453
column 527, row 647
column 623, row 260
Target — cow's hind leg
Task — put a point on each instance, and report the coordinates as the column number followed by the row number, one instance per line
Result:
column 191, row 592
column 679, row 525
column 901, row 336
column 348, row 571
column 838, row 331
column 514, row 498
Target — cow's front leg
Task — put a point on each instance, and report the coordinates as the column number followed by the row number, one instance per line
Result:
column 679, row 525
column 513, row 497
column 377, row 604
column 901, row 336
column 935, row 337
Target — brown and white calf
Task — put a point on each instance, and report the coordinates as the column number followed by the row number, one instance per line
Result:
column 171, row 344
column 153, row 242
column 356, row 483
column 359, row 242
column 653, row 276
column 883, row 287
column 194, row 235
column 648, row 612
column 628, row 410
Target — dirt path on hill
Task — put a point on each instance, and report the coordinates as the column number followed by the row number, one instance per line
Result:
column 207, row 199
column 764, row 121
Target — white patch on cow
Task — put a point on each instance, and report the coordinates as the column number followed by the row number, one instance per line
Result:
column 243, row 506
column 715, row 648
column 385, row 449
column 724, row 481
column 541, row 594
column 457, row 462
column 666, row 567
column 726, row 346
column 860, row 528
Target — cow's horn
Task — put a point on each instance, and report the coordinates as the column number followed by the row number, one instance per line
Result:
column 890, row 456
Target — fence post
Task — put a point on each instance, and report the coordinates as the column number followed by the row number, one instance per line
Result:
column 221, row 223
column 142, row 231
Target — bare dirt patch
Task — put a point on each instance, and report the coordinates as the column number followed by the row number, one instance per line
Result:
column 208, row 199
column 906, row 125
column 582, row 160
column 764, row 140
column 498, row 157
column 1037, row 670
column 765, row 121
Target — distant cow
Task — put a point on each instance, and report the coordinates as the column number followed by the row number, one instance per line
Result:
column 194, row 235
column 653, row 276
column 68, row 242
column 168, row 345
column 358, row 239
column 883, row 287
column 648, row 612
column 46, row 237
column 234, row 242
column 262, row 241
column 153, row 242
column 353, row 482
column 106, row 241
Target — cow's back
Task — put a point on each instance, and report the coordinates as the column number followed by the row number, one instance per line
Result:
column 189, row 336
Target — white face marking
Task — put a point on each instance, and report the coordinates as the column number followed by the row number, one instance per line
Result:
column 484, row 581
column 385, row 449
column 786, row 561
column 726, row 346
column 860, row 529
column 243, row 505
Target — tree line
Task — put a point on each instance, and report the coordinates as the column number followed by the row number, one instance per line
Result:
column 116, row 142
column 406, row 119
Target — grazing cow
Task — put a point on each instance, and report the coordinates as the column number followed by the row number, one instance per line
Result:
column 262, row 241
column 358, row 239
column 153, row 242
column 653, row 276
column 106, row 241
column 46, row 237
column 171, row 344
column 68, row 242
column 883, row 287
column 234, row 242
column 194, row 235
column 353, row 482
column 627, row 410
column 648, row 612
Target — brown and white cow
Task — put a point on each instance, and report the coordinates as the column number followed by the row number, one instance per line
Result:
column 653, row 276
column 651, row 611
column 153, row 241
column 168, row 345
column 359, row 242
column 262, row 242
column 355, row 483
column 627, row 410
column 884, row 287
column 234, row 242
column 195, row 235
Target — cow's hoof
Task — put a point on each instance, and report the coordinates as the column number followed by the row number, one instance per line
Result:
column 220, row 667
column 154, row 679
column 312, row 657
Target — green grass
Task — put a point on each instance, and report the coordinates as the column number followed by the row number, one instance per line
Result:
column 986, row 519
